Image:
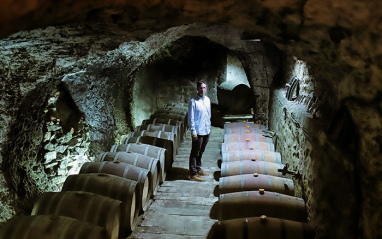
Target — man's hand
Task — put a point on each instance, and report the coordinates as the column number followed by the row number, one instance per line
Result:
column 195, row 137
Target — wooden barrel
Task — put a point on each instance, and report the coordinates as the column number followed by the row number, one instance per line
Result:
column 250, row 167
column 50, row 227
column 88, row 207
column 163, row 143
column 171, row 111
column 166, row 115
column 262, row 227
column 145, row 149
column 172, row 117
column 162, row 127
column 118, row 188
column 139, row 160
column 175, row 105
column 254, row 155
column 241, row 137
column 158, row 127
column 182, row 109
column 140, row 175
column 257, row 203
column 251, row 182
column 157, row 134
column 234, row 95
column 243, row 130
column 247, row 145
column 244, row 124
column 173, row 122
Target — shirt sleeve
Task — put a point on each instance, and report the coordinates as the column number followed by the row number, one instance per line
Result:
column 191, row 117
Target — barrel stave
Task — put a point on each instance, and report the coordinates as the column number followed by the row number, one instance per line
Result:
column 88, row 207
column 251, row 182
column 248, row 167
column 139, row 160
column 50, row 226
column 118, row 188
column 255, row 203
column 140, row 175
column 261, row 228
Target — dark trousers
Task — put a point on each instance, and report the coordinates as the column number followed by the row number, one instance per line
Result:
column 198, row 147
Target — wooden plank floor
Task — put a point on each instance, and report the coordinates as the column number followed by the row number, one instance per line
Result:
column 181, row 207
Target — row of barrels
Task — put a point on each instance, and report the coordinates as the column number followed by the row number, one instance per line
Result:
column 107, row 196
column 255, row 199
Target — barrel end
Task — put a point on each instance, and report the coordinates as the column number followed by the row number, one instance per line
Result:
column 216, row 191
column 213, row 232
column 214, row 213
column 217, row 175
column 219, row 163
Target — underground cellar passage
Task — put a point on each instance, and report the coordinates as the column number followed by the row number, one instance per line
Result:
column 79, row 81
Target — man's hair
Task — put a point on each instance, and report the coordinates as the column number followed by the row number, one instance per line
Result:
column 200, row 82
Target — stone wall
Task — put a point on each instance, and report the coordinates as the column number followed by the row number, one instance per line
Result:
column 325, row 145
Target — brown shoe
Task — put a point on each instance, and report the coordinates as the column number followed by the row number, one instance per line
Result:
column 197, row 178
column 202, row 173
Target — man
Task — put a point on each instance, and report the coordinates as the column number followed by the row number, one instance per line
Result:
column 199, row 122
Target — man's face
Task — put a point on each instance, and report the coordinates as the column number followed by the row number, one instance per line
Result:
column 202, row 90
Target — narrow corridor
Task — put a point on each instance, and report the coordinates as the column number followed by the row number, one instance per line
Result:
column 181, row 207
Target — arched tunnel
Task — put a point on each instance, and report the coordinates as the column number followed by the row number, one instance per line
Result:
column 78, row 76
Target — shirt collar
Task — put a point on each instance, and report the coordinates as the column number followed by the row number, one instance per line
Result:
column 199, row 97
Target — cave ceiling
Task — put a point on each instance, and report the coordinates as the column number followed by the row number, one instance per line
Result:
column 326, row 32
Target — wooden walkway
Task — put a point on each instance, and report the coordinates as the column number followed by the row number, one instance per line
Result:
column 181, row 207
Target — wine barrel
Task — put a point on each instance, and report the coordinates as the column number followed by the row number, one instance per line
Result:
column 159, row 127
column 255, row 181
column 172, row 122
column 247, row 145
column 171, row 111
column 254, row 155
column 163, row 143
column 139, row 160
column 257, row 203
column 157, row 134
column 243, row 130
column 175, row 110
column 244, row 124
column 145, row 149
column 118, row 188
column 166, row 115
column 88, row 207
column 172, row 117
column 262, row 227
column 140, row 175
column 162, row 127
column 250, row 167
column 175, row 105
column 234, row 95
column 50, row 227
column 241, row 137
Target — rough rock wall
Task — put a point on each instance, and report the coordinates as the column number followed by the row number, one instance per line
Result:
column 93, row 66
column 327, row 146
column 172, row 79
column 37, row 148
column 262, row 64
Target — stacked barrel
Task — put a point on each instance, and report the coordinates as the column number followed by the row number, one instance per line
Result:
column 107, row 196
column 255, row 199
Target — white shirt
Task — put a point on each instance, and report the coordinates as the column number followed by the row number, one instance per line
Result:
column 199, row 115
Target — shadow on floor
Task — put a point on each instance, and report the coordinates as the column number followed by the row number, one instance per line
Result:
column 176, row 173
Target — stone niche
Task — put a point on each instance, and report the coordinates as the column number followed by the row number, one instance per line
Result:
column 171, row 77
